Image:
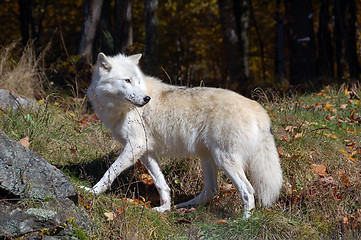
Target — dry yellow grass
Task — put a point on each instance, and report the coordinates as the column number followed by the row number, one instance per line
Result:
column 24, row 75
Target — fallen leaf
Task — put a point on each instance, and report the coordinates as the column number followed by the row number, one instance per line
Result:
column 329, row 117
column 318, row 106
column 298, row 135
column 345, row 179
column 343, row 106
column 183, row 220
column 346, row 155
column 25, row 142
column 285, row 139
column 329, row 135
column 290, row 128
column 227, row 188
column 146, row 179
column 120, row 210
column 319, row 169
column 328, row 107
column 110, row 215
column 358, row 151
column 137, row 201
column 183, row 211
column 223, row 221
column 328, row 181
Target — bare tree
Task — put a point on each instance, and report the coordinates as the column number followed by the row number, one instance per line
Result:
column 123, row 33
column 233, row 47
column 31, row 25
column 91, row 21
column 151, row 62
column 280, row 59
column 325, row 50
column 302, row 46
column 345, row 38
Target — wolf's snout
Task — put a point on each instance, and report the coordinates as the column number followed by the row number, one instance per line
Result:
column 146, row 99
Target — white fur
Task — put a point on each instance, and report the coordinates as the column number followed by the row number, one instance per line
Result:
column 225, row 129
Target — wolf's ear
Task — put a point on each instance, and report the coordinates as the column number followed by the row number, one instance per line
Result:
column 104, row 62
column 135, row 58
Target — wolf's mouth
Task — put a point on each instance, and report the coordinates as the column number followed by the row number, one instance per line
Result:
column 145, row 101
column 137, row 104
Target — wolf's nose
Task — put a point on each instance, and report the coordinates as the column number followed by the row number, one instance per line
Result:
column 146, row 99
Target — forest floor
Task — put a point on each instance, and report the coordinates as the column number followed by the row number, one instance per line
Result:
column 318, row 136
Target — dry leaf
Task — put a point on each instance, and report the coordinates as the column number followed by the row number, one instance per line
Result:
column 320, row 169
column 290, row 129
column 343, row 106
column 328, row 181
column 121, row 210
column 110, row 216
column 227, row 188
column 183, row 211
column 223, row 221
column 328, row 107
column 25, row 142
column 346, row 155
column 330, row 135
column 285, row 139
column 345, row 179
column 146, row 179
column 137, row 201
column 298, row 135
column 358, row 151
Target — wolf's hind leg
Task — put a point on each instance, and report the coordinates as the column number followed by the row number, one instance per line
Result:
column 210, row 183
column 152, row 166
column 238, row 177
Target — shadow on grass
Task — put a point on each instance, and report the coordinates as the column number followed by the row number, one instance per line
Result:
column 127, row 184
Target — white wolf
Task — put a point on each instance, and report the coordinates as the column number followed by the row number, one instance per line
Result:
column 151, row 119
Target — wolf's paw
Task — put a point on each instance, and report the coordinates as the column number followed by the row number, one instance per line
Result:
column 161, row 209
column 248, row 213
column 91, row 190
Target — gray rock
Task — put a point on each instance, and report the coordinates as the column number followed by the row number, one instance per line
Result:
column 26, row 175
column 36, row 199
column 54, row 220
column 12, row 101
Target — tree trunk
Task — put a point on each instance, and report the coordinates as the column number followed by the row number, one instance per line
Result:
column 241, row 13
column 337, row 38
column 260, row 41
column 30, row 26
column 280, row 61
column 350, row 39
column 91, row 21
column 151, row 62
column 26, row 21
column 236, row 67
column 302, row 49
column 123, row 18
column 105, row 36
column 325, row 50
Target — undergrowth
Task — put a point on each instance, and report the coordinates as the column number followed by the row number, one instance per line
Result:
column 319, row 143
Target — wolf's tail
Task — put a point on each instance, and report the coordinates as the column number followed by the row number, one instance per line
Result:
column 265, row 170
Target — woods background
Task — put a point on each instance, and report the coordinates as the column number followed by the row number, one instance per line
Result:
column 235, row 44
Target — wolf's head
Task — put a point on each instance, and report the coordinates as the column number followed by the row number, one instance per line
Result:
column 119, row 77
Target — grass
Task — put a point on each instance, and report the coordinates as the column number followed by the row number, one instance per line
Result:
column 318, row 136
column 23, row 75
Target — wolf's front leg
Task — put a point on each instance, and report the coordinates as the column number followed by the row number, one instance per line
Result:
column 126, row 159
column 152, row 166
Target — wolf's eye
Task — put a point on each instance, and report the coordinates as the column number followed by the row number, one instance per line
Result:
column 127, row 80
